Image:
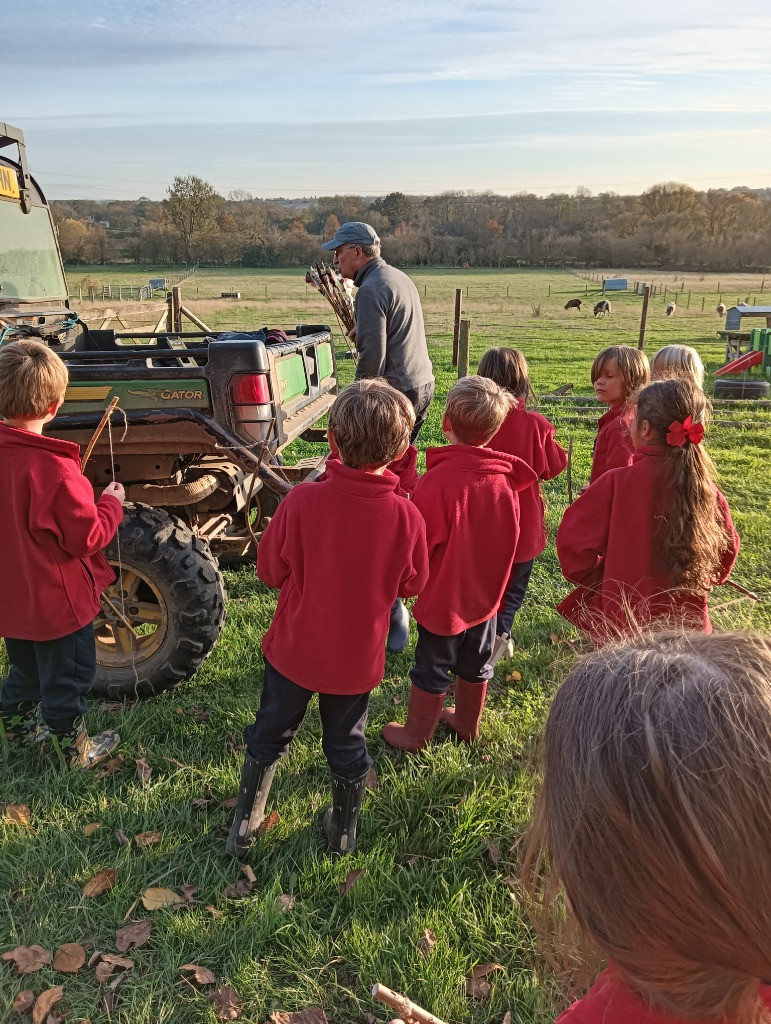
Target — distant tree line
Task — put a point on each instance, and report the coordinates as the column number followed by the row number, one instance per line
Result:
column 669, row 225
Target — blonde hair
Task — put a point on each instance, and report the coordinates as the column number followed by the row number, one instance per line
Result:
column 32, row 378
column 632, row 365
column 678, row 361
column 654, row 816
column 688, row 538
column 508, row 368
column 476, row 407
column 371, row 423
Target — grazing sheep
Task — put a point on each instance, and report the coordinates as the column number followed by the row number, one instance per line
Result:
column 671, row 308
column 720, row 309
column 573, row 304
column 602, row 308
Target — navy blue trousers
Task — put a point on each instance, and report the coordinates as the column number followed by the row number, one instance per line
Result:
column 56, row 674
column 282, row 709
column 438, row 659
column 514, row 596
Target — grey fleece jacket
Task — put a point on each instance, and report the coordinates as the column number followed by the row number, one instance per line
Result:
column 390, row 335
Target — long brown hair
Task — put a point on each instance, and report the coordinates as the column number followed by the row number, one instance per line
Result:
column 508, row 368
column 688, row 537
column 632, row 364
column 654, row 818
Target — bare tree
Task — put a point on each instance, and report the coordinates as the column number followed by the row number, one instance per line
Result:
column 191, row 207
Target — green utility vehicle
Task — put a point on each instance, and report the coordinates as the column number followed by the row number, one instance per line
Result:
column 195, row 440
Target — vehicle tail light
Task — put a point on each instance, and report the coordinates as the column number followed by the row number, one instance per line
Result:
column 250, row 389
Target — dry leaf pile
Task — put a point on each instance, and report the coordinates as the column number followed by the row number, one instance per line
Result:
column 477, row 986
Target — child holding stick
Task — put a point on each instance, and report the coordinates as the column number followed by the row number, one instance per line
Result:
column 651, row 831
column 51, row 537
column 646, row 542
column 530, row 436
column 340, row 551
column 617, row 373
column 469, row 499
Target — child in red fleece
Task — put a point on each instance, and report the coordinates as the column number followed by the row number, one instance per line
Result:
column 529, row 436
column 617, row 373
column 646, row 542
column 52, row 534
column 340, row 551
column 469, row 500
column 650, row 830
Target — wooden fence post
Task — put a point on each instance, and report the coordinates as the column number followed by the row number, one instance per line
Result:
column 456, row 324
column 644, row 317
column 463, row 349
column 689, row 299
column 702, row 303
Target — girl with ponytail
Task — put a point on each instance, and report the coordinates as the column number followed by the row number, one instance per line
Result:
column 646, row 543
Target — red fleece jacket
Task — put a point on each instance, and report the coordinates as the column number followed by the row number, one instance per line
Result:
column 613, row 447
column 340, row 551
column 469, row 499
column 405, row 468
column 530, row 436
column 606, row 544
column 51, row 536
column 611, row 1001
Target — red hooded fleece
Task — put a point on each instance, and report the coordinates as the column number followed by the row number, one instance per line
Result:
column 613, row 447
column 606, row 544
column 530, row 436
column 51, row 537
column 340, row 550
column 469, row 499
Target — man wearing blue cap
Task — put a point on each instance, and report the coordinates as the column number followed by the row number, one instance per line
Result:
column 391, row 341
column 390, row 336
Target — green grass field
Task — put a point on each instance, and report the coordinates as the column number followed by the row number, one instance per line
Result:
column 439, row 833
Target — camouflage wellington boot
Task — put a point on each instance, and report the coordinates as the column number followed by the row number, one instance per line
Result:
column 82, row 751
column 19, row 723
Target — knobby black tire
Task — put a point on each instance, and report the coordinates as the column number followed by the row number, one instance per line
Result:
column 186, row 575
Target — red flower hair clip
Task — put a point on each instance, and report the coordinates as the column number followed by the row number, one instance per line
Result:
column 679, row 433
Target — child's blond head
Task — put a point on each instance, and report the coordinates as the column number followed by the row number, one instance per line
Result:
column 678, row 361
column 632, row 364
column 371, row 423
column 476, row 408
column 508, row 368
column 654, row 817
column 32, row 378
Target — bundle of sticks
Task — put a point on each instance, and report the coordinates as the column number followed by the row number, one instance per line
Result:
column 335, row 290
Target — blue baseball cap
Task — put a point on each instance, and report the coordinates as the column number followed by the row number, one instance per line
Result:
column 353, row 232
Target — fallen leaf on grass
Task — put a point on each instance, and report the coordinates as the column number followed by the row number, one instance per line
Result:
column 309, row 1015
column 201, row 975
column 69, row 958
column 237, row 890
column 229, row 804
column 514, row 677
column 493, row 851
column 249, row 873
column 144, row 771
column 227, row 1003
column 110, row 706
column 207, row 799
column 159, row 899
column 506, row 1017
column 396, row 699
column 426, row 942
column 24, row 1001
column 44, row 1002
column 268, row 822
column 554, row 638
column 107, row 964
column 234, row 742
column 148, row 838
column 110, row 767
column 372, row 781
column 28, row 959
column 123, row 839
column 100, row 883
column 476, row 986
column 412, row 861
column 350, row 880
column 133, row 935
column 17, row 814
column 88, row 830
column 188, row 892
column 196, row 713
column 284, row 903
column 214, row 912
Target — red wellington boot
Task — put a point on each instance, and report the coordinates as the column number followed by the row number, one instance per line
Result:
column 464, row 718
column 422, row 718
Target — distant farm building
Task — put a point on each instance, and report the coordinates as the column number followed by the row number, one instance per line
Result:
column 733, row 318
column 615, row 284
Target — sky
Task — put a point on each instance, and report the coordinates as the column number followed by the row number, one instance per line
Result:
column 295, row 98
